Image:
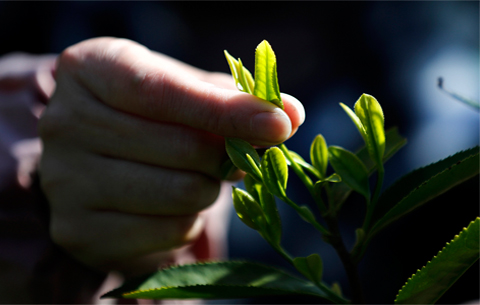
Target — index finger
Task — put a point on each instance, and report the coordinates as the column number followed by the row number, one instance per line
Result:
column 131, row 78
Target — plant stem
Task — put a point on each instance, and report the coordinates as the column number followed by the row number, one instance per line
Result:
column 298, row 170
column 351, row 267
column 305, row 179
column 301, row 212
column 373, row 202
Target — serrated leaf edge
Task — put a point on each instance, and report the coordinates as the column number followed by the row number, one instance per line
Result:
column 217, row 285
column 455, row 238
column 374, row 227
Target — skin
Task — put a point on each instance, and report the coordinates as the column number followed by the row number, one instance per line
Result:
column 133, row 146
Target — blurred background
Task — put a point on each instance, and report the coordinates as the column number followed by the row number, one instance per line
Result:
column 327, row 52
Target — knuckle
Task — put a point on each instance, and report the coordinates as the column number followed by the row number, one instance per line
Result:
column 62, row 233
column 55, row 121
column 196, row 192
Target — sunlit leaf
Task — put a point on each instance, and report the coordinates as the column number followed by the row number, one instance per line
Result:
column 370, row 113
column 243, row 78
column 266, row 80
column 275, row 171
column 356, row 120
column 319, row 155
column 248, row 210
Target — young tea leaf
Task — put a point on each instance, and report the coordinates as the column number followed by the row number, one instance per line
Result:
column 248, row 210
column 303, row 164
column 394, row 141
column 430, row 283
column 246, row 79
column 275, row 171
column 356, row 120
column 244, row 156
column 266, row 80
column 219, row 280
column 351, row 169
column 319, row 155
column 310, row 266
column 243, row 78
column 370, row 113
column 252, row 186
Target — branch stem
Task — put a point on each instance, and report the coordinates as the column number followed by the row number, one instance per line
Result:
column 351, row 267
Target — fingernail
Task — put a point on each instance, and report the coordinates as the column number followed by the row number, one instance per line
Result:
column 272, row 127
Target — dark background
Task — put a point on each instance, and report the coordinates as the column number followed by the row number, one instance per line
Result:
column 327, row 52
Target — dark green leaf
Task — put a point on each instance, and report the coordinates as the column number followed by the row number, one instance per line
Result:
column 266, row 80
column 424, row 184
column 244, row 156
column 430, row 283
column 220, row 280
column 269, row 206
column 310, row 266
column 394, row 141
column 351, row 169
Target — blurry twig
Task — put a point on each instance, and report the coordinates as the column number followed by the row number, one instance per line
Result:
column 462, row 99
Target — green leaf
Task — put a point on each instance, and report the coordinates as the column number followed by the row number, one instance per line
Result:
column 227, row 169
column 370, row 113
column 275, row 171
column 430, row 283
column 394, row 141
column 424, row 184
column 266, row 80
column 243, row 78
column 252, row 186
column 248, row 210
column 267, row 202
column 319, row 155
column 306, row 214
column 244, row 156
column 310, row 266
column 219, row 280
column 302, row 163
column 356, row 120
column 269, row 206
column 334, row 178
column 351, row 169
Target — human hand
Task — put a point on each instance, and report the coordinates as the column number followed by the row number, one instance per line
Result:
column 133, row 146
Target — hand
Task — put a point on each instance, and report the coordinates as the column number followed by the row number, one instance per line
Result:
column 133, row 145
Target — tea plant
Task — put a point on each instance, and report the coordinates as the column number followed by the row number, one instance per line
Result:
column 266, row 179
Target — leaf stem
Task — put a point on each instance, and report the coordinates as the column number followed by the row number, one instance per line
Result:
column 304, row 177
column 302, row 214
column 372, row 205
column 298, row 170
